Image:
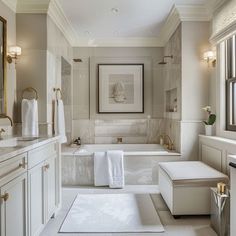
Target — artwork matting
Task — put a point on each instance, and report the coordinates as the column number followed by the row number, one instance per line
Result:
column 121, row 88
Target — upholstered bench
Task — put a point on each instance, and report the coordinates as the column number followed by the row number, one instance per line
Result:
column 185, row 186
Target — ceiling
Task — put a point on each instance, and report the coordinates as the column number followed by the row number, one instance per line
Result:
column 94, row 19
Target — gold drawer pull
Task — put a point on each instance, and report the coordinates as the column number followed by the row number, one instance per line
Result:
column 46, row 167
column 5, row 197
column 23, row 165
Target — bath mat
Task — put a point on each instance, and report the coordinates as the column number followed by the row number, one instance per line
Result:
column 112, row 213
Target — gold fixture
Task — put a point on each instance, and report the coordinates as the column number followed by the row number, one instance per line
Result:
column 3, row 116
column 46, row 167
column 2, row 131
column 23, row 165
column 4, row 197
column 57, row 90
column 170, row 144
column 163, row 62
column 77, row 60
column 30, row 89
column 210, row 56
column 119, row 140
column 13, row 54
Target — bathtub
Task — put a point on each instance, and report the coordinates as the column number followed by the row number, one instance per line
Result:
column 140, row 163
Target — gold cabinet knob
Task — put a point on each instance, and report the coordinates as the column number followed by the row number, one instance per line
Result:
column 5, row 197
column 46, row 167
column 23, row 165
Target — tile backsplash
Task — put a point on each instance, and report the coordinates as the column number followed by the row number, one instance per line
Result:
column 107, row 131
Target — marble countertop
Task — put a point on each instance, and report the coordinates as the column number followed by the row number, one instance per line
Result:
column 23, row 146
column 232, row 158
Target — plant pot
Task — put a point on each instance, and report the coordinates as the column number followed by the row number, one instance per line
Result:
column 208, row 130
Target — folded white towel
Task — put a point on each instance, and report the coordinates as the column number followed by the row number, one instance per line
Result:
column 115, row 169
column 100, row 169
column 29, row 118
column 59, row 121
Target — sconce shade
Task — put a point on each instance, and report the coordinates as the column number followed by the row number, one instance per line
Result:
column 209, row 55
column 15, row 51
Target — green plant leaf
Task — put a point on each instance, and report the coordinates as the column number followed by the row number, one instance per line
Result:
column 205, row 122
column 211, row 119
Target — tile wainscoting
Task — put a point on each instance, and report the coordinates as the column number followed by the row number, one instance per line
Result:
column 107, row 131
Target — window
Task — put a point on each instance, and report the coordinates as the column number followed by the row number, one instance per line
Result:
column 231, row 83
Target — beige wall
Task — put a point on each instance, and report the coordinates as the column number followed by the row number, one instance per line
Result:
column 43, row 45
column 9, row 15
column 189, row 74
column 105, row 128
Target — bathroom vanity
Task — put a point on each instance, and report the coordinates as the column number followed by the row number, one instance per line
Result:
column 30, row 184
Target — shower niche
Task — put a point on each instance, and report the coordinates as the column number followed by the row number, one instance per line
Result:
column 171, row 100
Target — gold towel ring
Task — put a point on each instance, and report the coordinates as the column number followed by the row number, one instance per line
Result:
column 57, row 90
column 30, row 89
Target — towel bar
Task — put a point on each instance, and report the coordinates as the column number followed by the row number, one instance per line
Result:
column 30, row 89
column 57, row 90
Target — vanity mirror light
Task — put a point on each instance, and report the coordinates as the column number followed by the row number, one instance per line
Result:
column 3, row 51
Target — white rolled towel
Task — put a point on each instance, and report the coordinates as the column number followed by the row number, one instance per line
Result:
column 29, row 118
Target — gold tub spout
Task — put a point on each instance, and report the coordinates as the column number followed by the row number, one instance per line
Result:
column 119, row 140
column 170, row 144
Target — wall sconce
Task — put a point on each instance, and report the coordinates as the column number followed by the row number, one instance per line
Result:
column 210, row 56
column 14, row 52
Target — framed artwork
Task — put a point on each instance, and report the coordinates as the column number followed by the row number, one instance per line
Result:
column 121, row 88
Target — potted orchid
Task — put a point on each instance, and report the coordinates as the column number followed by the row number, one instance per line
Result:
column 210, row 121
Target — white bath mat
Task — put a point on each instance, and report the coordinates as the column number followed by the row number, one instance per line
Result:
column 110, row 213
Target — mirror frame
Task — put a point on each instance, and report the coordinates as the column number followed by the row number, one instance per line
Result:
column 4, row 36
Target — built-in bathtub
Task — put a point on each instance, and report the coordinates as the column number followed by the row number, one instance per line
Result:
column 140, row 162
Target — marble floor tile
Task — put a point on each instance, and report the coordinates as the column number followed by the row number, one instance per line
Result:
column 185, row 226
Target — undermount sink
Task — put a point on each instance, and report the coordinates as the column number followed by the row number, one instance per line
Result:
column 14, row 142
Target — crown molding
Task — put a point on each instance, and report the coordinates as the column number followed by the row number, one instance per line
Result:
column 11, row 4
column 178, row 14
column 170, row 25
column 119, row 42
column 32, row 6
column 57, row 15
column 193, row 13
column 182, row 13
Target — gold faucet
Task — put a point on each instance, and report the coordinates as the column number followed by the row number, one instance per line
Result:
column 2, row 131
column 119, row 140
column 170, row 144
column 3, row 116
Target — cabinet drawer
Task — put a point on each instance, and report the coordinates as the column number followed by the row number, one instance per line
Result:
column 13, row 167
column 40, row 154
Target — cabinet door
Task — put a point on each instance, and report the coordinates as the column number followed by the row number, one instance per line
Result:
column 14, row 207
column 36, row 199
column 50, row 187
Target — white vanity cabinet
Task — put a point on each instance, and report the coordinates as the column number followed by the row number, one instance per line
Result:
column 13, row 192
column 29, row 189
column 42, row 187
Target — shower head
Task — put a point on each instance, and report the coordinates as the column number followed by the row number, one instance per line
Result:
column 163, row 62
column 77, row 60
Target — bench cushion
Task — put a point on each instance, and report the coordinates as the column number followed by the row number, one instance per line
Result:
column 192, row 172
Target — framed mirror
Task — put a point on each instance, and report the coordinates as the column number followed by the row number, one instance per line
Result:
column 3, row 51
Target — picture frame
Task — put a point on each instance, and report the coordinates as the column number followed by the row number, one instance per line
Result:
column 120, row 88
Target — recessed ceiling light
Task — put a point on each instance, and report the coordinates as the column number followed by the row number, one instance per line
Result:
column 115, row 10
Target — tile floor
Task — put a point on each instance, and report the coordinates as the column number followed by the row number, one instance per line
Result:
column 185, row 226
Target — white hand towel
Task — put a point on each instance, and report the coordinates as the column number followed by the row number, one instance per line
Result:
column 116, row 169
column 29, row 118
column 59, row 120
column 100, row 169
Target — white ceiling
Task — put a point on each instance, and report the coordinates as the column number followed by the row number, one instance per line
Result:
column 94, row 19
